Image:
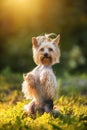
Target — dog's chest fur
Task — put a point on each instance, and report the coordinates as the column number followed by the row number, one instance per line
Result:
column 46, row 83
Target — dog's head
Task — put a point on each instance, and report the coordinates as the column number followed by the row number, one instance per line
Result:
column 45, row 50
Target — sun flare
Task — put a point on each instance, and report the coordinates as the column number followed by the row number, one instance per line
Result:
column 31, row 6
column 21, row 11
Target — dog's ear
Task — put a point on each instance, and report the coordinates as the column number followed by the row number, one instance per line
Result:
column 24, row 76
column 56, row 40
column 34, row 42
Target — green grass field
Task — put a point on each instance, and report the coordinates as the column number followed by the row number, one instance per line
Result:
column 72, row 105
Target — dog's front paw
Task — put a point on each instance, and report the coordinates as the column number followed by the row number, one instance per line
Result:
column 30, row 79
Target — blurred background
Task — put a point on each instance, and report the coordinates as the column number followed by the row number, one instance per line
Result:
column 20, row 20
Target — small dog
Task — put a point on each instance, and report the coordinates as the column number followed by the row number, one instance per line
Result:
column 40, row 84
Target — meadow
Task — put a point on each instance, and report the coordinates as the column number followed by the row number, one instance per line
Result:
column 72, row 104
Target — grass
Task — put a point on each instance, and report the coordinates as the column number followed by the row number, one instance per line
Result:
column 72, row 116
column 72, row 105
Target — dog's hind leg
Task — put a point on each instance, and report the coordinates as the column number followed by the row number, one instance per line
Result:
column 30, row 108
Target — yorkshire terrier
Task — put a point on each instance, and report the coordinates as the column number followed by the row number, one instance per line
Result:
column 40, row 84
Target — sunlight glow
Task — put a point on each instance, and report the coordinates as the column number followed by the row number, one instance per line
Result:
column 23, row 5
column 29, row 13
column 21, row 11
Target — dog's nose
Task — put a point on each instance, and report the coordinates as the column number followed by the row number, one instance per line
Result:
column 46, row 54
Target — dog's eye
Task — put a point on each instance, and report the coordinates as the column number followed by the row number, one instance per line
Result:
column 50, row 49
column 42, row 49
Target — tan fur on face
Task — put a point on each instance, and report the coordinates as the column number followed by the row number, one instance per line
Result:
column 46, row 61
column 54, row 54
